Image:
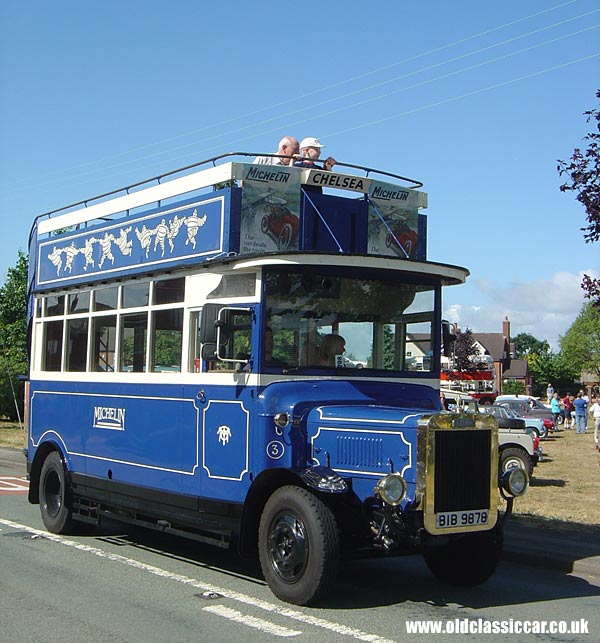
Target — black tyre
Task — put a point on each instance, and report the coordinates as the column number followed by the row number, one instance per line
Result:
column 512, row 457
column 285, row 237
column 54, row 495
column 264, row 224
column 543, row 432
column 467, row 560
column 298, row 545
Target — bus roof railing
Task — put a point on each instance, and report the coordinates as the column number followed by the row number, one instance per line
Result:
column 126, row 189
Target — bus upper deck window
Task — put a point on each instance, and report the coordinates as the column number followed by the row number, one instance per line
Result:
column 55, row 305
column 169, row 291
column 136, row 295
column 78, row 302
column 106, row 298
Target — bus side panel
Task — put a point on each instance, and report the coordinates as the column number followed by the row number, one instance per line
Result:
column 226, row 420
column 137, row 436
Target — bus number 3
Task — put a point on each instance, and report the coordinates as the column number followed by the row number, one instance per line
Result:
column 275, row 450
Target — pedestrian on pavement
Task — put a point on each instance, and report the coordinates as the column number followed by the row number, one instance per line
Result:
column 555, row 406
column 568, row 404
column 595, row 411
column 580, row 413
column 549, row 392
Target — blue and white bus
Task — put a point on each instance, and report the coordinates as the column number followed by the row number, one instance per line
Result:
column 249, row 356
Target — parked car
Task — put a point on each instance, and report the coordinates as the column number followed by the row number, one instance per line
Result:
column 517, row 445
column 526, row 406
column 537, row 425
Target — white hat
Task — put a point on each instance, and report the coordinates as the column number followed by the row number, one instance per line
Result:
column 310, row 142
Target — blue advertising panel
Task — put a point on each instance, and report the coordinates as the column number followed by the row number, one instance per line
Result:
column 187, row 231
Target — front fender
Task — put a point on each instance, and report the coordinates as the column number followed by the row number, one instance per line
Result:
column 323, row 479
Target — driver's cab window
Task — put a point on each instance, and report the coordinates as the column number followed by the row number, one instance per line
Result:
column 233, row 352
column 236, row 340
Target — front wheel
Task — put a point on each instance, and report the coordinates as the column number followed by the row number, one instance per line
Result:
column 54, row 495
column 467, row 560
column 298, row 545
column 514, row 457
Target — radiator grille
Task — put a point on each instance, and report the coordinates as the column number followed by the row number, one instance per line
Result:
column 354, row 451
column 462, row 470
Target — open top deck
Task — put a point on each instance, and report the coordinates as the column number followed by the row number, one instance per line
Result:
column 229, row 209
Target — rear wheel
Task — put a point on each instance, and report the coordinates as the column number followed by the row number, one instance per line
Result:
column 54, row 495
column 467, row 560
column 298, row 545
column 285, row 237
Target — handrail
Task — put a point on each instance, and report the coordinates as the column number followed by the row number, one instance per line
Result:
column 213, row 159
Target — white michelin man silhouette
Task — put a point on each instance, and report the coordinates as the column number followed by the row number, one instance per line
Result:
column 224, row 434
column 106, row 246
column 193, row 222
column 88, row 252
column 145, row 237
column 70, row 253
column 161, row 231
column 56, row 259
column 174, row 226
column 122, row 242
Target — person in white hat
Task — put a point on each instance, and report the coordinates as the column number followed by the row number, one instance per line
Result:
column 310, row 151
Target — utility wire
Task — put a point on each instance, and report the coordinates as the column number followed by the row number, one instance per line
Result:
column 455, row 98
column 317, row 91
column 363, row 102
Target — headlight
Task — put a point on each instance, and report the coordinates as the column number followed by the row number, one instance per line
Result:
column 281, row 420
column 515, row 481
column 391, row 489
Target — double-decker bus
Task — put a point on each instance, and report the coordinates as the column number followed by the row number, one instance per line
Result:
column 479, row 383
column 227, row 353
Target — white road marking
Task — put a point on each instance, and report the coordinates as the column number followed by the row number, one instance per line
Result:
column 8, row 483
column 286, row 612
column 251, row 621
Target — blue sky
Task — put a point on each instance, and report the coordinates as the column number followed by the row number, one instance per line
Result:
column 476, row 99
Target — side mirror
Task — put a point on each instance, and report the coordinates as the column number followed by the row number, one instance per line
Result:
column 212, row 326
column 448, row 337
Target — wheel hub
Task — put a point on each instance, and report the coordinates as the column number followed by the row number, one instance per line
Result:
column 288, row 547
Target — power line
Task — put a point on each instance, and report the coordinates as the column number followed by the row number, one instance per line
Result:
column 318, row 91
column 455, row 98
column 359, row 103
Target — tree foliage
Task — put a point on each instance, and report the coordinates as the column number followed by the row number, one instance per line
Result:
column 465, row 351
column 526, row 344
column 580, row 345
column 583, row 178
column 547, row 367
column 13, row 336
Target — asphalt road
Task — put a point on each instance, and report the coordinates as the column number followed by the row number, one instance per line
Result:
column 129, row 585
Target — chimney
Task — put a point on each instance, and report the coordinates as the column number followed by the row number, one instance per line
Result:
column 506, row 328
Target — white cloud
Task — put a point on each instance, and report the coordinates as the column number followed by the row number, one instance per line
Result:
column 544, row 308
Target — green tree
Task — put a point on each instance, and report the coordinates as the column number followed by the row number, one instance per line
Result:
column 465, row 350
column 513, row 387
column 13, row 337
column 548, row 367
column 526, row 344
column 580, row 345
column 583, row 178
